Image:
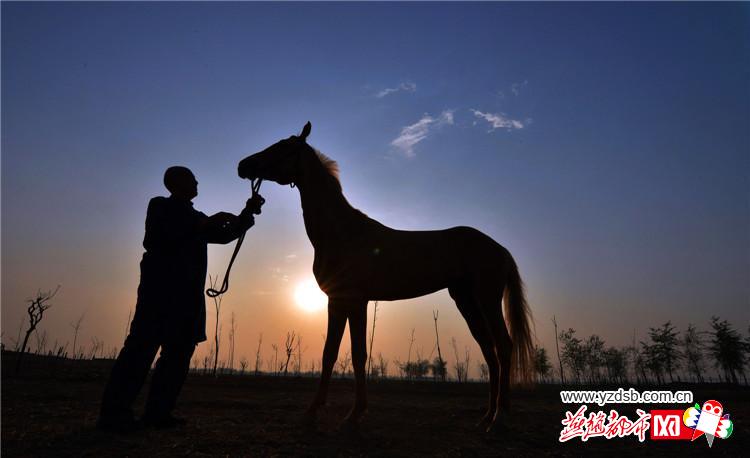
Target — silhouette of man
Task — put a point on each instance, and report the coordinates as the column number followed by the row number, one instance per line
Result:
column 171, row 310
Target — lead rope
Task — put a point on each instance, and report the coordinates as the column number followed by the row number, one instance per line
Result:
column 212, row 293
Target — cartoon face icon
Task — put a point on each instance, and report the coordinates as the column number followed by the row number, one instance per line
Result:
column 713, row 407
column 708, row 422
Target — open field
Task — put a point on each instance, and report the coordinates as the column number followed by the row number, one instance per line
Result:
column 51, row 408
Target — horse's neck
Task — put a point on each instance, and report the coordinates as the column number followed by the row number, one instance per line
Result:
column 327, row 214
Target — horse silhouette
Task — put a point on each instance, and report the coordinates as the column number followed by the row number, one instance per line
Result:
column 358, row 259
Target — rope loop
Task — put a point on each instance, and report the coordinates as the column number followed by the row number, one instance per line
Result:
column 213, row 293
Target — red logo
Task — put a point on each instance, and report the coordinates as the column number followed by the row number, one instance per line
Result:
column 668, row 425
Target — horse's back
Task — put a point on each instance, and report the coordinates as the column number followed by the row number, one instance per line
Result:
column 460, row 238
column 394, row 264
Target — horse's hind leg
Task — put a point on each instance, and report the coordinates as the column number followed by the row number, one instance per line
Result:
column 358, row 332
column 471, row 312
column 489, row 295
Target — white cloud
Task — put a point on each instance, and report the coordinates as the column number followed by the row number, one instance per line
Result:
column 500, row 120
column 516, row 87
column 406, row 87
column 415, row 133
column 446, row 117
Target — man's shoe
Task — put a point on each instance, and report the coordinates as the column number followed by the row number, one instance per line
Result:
column 117, row 424
column 163, row 421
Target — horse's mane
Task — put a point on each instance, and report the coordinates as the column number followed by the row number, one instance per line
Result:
column 329, row 165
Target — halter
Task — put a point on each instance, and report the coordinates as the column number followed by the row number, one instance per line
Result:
column 212, row 293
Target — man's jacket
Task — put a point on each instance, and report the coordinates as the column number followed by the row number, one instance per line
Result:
column 173, row 269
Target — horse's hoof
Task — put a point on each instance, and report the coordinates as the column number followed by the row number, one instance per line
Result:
column 353, row 420
column 485, row 421
column 498, row 425
column 349, row 426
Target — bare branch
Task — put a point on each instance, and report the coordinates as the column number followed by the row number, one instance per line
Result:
column 35, row 310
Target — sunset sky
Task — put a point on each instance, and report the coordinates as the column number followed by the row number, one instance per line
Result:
column 607, row 146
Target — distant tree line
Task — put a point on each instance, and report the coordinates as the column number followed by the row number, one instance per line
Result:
column 720, row 354
column 668, row 355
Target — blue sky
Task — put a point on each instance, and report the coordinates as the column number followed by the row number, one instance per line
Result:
column 606, row 145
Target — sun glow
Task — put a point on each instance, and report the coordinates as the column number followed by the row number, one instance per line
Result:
column 309, row 297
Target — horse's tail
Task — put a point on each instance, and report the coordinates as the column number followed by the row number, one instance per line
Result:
column 518, row 318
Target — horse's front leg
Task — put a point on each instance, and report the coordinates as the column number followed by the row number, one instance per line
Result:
column 358, row 333
column 336, row 325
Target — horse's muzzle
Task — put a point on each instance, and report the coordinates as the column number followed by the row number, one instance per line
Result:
column 244, row 170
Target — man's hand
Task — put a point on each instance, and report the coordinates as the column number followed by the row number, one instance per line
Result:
column 252, row 207
column 223, row 220
column 254, row 204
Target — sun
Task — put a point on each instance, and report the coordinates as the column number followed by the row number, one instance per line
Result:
column 309, row 297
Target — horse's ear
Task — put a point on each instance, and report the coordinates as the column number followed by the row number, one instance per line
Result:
column 305, row 131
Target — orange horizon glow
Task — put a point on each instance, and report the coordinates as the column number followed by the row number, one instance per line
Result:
column 309, row 297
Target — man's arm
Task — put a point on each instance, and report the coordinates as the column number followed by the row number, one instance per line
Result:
column 224, row 227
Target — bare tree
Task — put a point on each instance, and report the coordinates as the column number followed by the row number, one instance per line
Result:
column 36, row 309
column 439, row 366
column 76, row 328
column 258, row 361
column 312, row 367
column 232, row 329
column 372, row 339
column 243, row 365
column 557, row 345
column 382, row 366
column 300, row 351
column 289, row 349
column 411, row 344
column 467, row 360
column 484, row 371
column 344, row 364
column 461, row 367
column 275, row 359
column 214, row 282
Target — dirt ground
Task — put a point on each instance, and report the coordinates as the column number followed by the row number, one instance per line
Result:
column 50, row 410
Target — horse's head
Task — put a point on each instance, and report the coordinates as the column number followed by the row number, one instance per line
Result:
column 279, row 162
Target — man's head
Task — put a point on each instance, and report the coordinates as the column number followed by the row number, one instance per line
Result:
column 181, row 182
